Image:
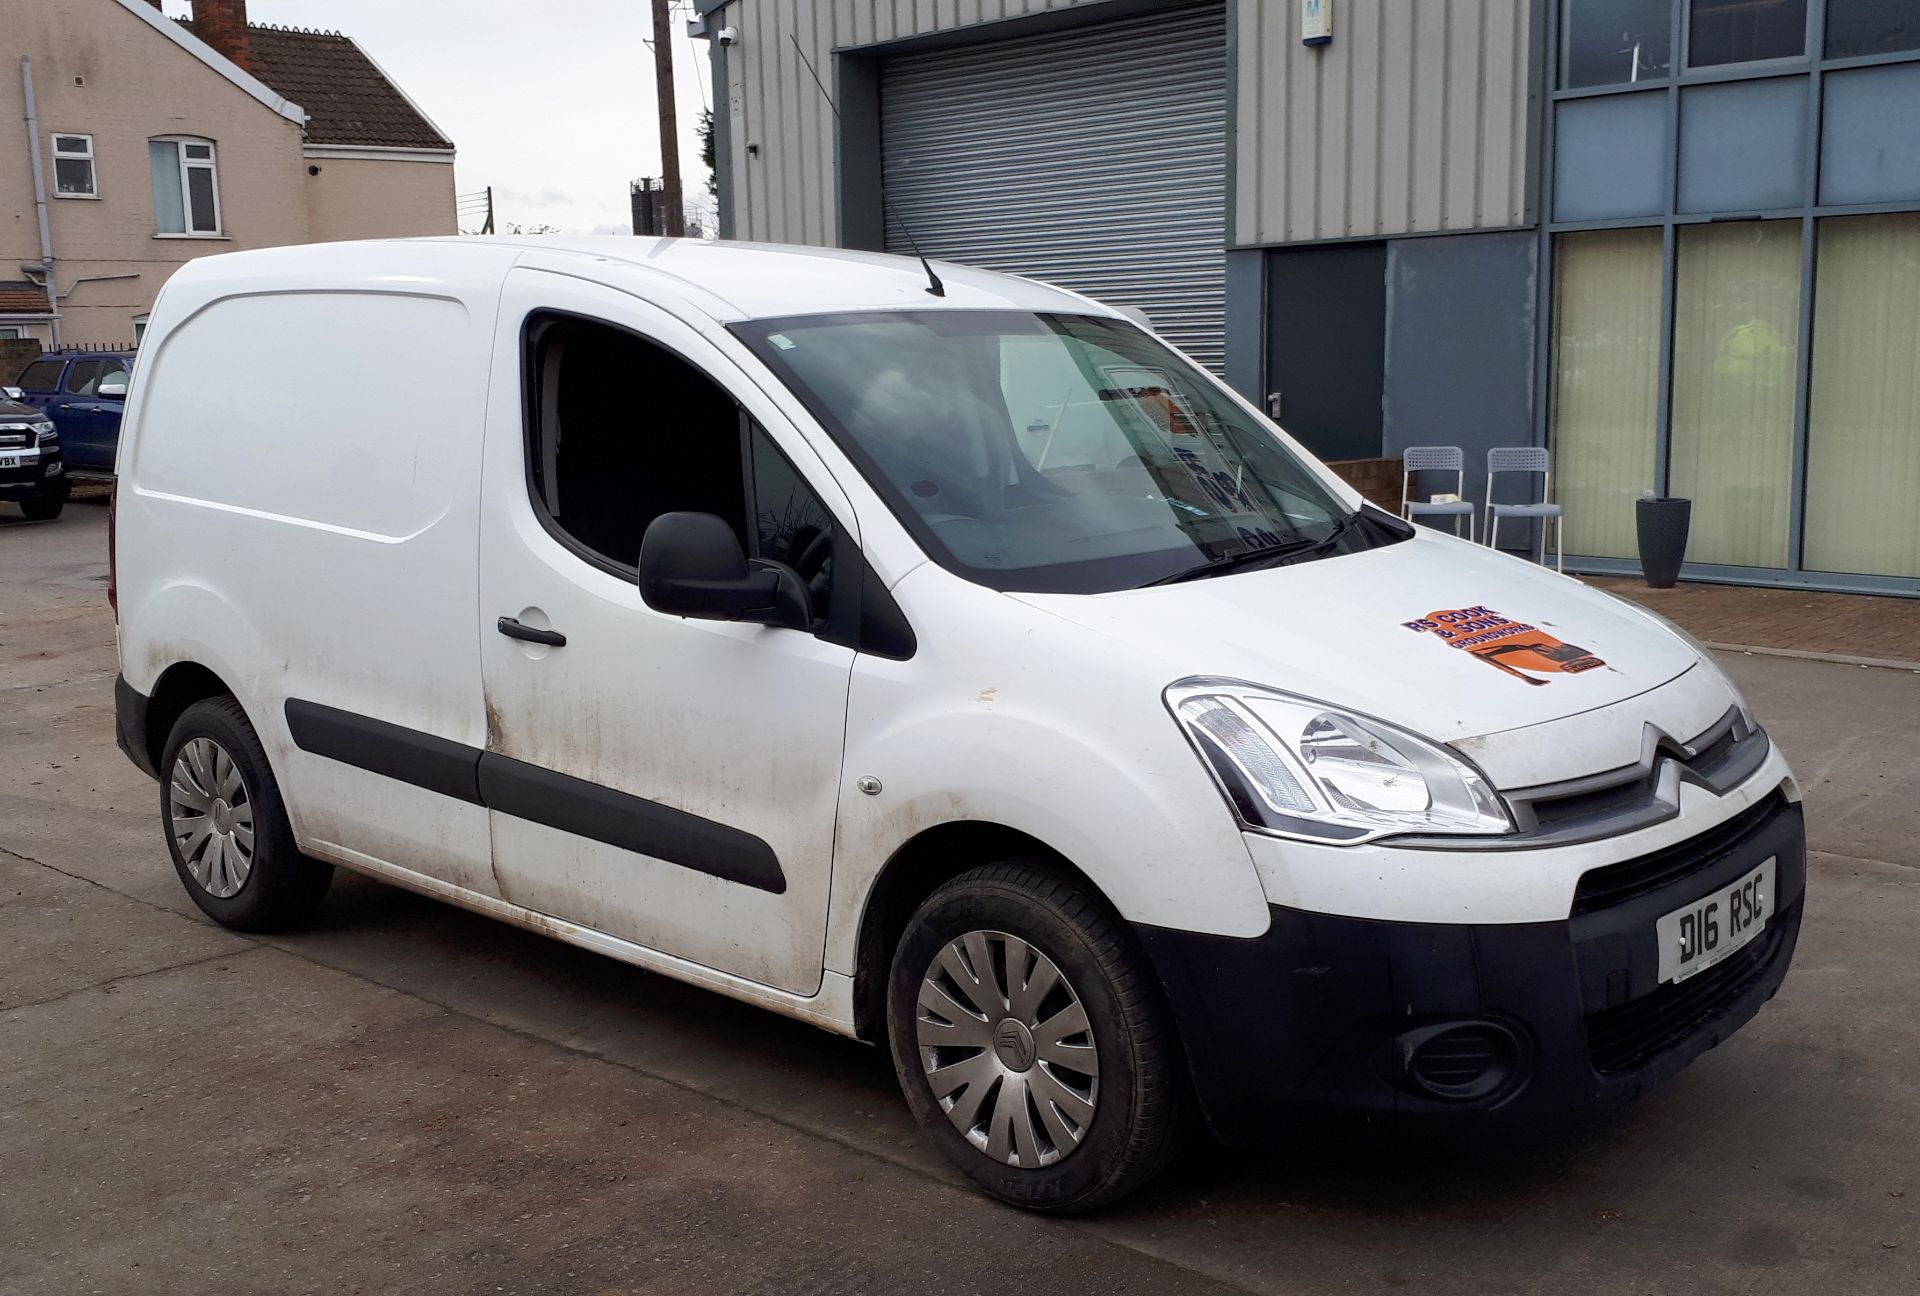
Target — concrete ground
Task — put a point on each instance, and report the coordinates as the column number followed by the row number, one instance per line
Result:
column 407, row 1097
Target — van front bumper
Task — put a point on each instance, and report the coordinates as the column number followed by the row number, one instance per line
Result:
column 1411, row 1028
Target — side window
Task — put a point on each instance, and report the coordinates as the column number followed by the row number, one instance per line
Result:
column 113, row 380
column 791, row 525
column 40, row 376
column 621, row 431
column 624, row 431
column 83, row 377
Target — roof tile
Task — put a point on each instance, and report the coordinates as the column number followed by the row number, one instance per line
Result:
column 348, row 100
column 18, row 297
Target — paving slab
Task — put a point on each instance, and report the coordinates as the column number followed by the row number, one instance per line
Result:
column 1883, row 628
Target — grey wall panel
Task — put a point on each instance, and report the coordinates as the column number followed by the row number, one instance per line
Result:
column 1871, row 150
column 1412, row 120
column 1743, row 145
column 1246, row 322
column 1460, row 346
column 1610, row 157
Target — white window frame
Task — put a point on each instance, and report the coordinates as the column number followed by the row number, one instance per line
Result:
column 65, row 155
column 12, row 332
column 211, row 164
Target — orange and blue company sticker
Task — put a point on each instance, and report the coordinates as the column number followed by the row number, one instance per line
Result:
column 1520, row 650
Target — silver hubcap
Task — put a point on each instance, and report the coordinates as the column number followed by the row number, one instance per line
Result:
column 1007, row 1049
column 212, row 817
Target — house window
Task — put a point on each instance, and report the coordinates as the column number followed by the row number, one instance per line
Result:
column 186, row 188
column 73, row 167
column 8, row 332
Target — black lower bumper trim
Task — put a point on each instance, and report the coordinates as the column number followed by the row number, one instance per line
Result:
column 1328, row 1019
column 130, row 725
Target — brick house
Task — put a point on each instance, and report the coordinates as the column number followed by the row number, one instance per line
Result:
column 154, row 141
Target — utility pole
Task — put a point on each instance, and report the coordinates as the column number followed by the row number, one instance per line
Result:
column 675, row 222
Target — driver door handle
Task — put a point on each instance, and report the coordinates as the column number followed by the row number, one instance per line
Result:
column 512, row 629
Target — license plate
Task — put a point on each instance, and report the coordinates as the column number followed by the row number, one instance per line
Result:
column 1694, row 937
column 12, row 461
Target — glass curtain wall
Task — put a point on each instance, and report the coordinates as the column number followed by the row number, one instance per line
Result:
column 1736, row 331
column 1606, row 381
column 1863, row 425
column 1732, row 221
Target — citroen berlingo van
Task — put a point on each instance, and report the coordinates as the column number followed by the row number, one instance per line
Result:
column 937, row 657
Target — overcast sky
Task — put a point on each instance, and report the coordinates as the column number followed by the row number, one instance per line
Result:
column 549, row 101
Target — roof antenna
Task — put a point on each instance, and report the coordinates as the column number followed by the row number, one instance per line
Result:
column 934, row 286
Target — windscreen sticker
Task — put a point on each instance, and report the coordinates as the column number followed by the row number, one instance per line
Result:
column 1505, row 644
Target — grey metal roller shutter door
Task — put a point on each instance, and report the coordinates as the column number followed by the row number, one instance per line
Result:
column 1092, row 158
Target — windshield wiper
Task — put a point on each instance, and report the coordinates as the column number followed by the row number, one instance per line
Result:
column 1270, row 555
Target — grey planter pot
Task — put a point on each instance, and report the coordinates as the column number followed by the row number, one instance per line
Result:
column 1662, row 524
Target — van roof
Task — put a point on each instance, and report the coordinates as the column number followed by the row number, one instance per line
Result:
column 726, row 280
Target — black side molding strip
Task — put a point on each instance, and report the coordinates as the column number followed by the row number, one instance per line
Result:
column 540, row 795
column 574, row 805
column 436, row 764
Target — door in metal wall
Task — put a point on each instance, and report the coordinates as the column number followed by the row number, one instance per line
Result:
column 1093, row 158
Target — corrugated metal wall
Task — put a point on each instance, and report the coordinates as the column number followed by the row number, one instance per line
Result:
column 1413, row 119
column 786, row 193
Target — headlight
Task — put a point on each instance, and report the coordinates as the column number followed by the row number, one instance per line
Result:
column 47, row 433
column 1300, row 768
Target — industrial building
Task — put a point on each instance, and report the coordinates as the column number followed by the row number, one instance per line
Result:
column 1676, row 241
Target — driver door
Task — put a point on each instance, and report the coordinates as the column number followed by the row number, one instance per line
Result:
column 668, row 781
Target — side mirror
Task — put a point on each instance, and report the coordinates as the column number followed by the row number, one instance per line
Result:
column 691, row 565
column 12, row 394
column 112, row 387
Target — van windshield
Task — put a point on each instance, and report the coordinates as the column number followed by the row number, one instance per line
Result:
column 1058, row 453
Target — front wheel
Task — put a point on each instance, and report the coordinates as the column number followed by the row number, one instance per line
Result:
column 42, row 510
column 1032, row 1042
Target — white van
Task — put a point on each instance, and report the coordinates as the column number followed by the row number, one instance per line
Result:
column 959, row 669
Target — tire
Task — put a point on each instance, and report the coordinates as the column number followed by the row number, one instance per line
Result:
column 42, row 510
column 238, row 859
column 996, row 1078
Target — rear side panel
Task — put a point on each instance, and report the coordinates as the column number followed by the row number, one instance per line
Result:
column 298, row 513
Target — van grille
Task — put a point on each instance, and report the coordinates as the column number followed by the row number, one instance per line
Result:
column 1632, row 797
column 1617, row 883
column 1633, row 1034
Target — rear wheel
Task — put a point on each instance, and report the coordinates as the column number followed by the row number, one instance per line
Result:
column 227, row 827
column 1031, row 1040
column 42, row 510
